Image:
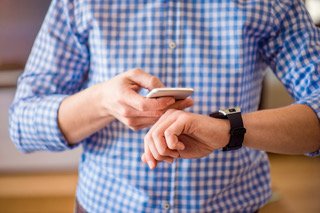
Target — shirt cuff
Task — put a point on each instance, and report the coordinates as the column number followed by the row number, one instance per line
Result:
column 46, row 123
column 313, row 154
column 313, row 101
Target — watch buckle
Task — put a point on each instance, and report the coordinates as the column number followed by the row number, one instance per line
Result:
column 238, row 131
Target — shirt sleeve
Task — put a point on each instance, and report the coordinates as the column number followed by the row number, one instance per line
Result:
column 56, row 68
column 293, row 53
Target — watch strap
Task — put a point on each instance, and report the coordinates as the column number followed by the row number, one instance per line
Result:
column 237, row 132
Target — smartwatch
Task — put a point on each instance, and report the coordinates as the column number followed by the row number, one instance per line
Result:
column 237, row 130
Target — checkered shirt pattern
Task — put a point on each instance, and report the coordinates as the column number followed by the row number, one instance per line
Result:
column 220, row 48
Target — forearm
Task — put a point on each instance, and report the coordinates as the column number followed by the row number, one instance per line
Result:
column 82, row 114
column 90, row 110
column 294, row 129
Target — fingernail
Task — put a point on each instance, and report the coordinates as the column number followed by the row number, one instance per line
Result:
column 150, row 164
column 171, row 161
column 180, row 146
column 142, row 158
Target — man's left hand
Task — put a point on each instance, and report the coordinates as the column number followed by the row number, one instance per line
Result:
column 179, row 134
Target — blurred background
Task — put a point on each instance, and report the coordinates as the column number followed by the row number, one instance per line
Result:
column 45, row 182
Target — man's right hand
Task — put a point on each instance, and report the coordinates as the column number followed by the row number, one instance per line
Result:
column 120, row 99
column 86, row 112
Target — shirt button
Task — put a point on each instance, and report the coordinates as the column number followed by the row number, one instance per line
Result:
column 166, row 206
column 172, row 45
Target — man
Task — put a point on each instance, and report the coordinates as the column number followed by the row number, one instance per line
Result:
column 81, row 86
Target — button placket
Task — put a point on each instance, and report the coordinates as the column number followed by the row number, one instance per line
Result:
column 174, row 51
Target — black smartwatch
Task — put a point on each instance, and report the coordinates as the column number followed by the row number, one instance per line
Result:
column 237, row 130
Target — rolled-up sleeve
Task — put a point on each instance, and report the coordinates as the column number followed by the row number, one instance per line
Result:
column 293, row 52
column 56, row 68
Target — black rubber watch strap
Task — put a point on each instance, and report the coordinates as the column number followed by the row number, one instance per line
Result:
column 237, row 132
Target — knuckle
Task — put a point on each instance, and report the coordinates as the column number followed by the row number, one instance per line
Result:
column 162, row 151
column 161, row 147
column 125, row 121
column 126, row 113
column 147, row 138
column 155, row 134
column 182, row 115
column 153, row 81
column 168, row 132
column 131, row 123
column 135, row 128
column 136, row 71
column 118, row 100
column 142, row 107
column 155, row 104
column 154, row 114
column 187, row 117
column 157, row 156
column 171, row 146
column 132, row 128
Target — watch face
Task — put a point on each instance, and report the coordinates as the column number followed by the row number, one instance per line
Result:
column 230, row 111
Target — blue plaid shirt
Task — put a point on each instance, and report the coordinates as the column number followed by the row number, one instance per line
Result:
column 220, row 48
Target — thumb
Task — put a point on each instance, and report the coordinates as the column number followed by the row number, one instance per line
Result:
column 144, row 79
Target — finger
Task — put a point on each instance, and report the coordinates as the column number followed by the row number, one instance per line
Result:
column 170, row 125
column 142, row 126
column 161, row 145
column 156, row 137
column 167, row 117
column 172, row 133
column 148, row 158
column 154, row 152
column 136, row 123
column 130, row 112
column 182, row 104
column 143, row 158
column 144, row 79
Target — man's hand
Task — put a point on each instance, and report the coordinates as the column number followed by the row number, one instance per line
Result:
column 293, row 129
column 122, row 101
column 86, row 112
column 180, row 134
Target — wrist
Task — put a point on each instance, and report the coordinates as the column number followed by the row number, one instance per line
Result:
column 237, row 130
column 81, row 115
column 225, row 132
column 102, row 105
column 220, row 133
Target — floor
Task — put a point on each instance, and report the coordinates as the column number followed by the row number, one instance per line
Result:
column 295, row 180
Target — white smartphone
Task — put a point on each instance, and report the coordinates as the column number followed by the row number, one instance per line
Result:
column 177, row 93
